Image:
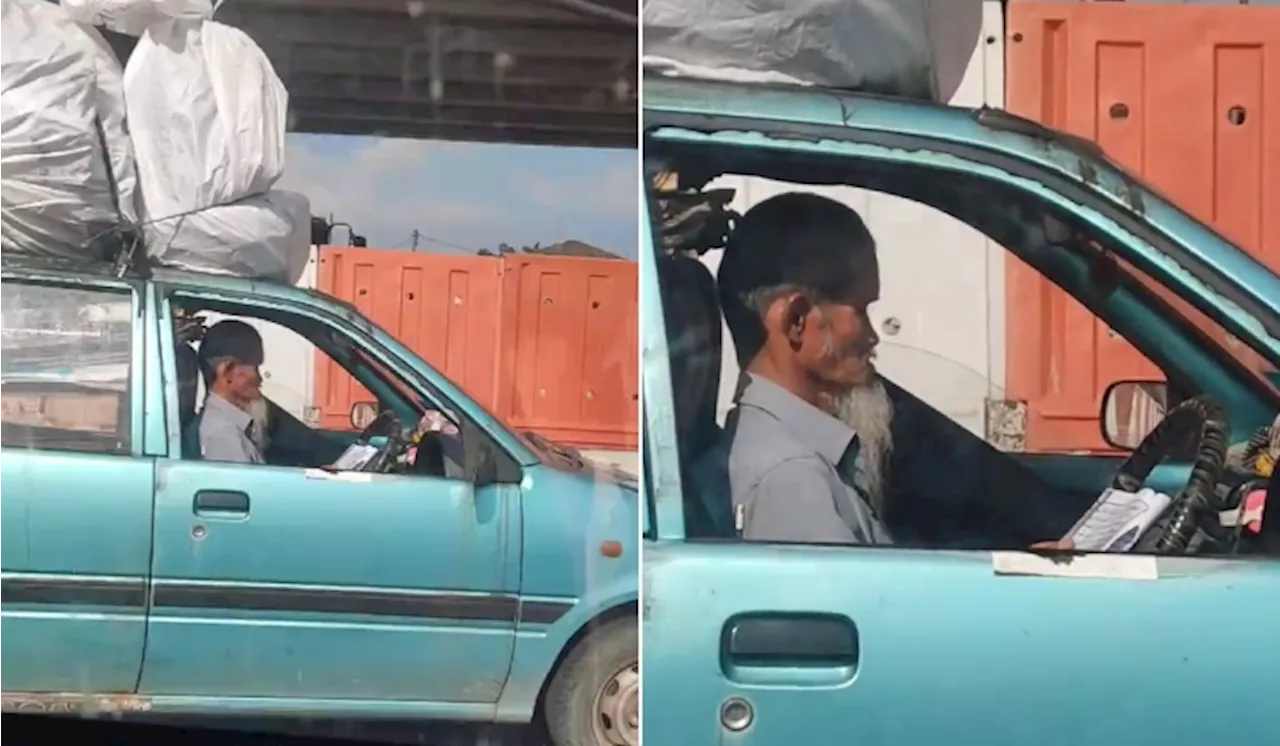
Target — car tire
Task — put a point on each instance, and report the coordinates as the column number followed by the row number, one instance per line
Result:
column 594, row 698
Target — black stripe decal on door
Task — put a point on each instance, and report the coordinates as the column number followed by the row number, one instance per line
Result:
column 543, row 612
column 87, row 591
column 332, row 601
column 458, row 607
column 90, row 591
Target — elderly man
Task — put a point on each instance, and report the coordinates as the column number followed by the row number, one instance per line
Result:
column 236, row 419
column 810, row 436
column 231, row 356
column 795, row 284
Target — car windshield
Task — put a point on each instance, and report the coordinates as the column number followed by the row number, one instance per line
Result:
column 363, row 358
column 1263, row 371
column 532, row 440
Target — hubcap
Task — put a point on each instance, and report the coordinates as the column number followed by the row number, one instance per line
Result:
column 617, row 709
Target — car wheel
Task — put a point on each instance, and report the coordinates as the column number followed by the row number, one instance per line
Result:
column 594, row 699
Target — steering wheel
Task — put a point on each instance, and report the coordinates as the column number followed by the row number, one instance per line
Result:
column 1204, row 419
column 386, row 423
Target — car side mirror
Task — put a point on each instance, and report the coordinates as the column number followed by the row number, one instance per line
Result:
column 479, row 467
column 1131, row 410
column 363, row 413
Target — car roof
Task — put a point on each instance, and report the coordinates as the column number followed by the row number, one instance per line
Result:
column 57, row 267
column 993, row 129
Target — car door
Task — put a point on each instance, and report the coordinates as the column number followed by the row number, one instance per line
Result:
column 760, row 644
column 77, row 482
column 752, row 643
column 275, row 582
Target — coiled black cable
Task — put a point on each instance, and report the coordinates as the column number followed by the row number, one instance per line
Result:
column 1199, row 415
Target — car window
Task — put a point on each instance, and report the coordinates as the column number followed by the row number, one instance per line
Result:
column 314, row 388
column 981, row 355
column 949, row 332
column 66, row 367
column 289, row 371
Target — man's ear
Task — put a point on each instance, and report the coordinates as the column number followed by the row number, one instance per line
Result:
column 222, row 369
column 794, row 316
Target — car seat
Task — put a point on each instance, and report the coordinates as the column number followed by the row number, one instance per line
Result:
column 187, row 364
column 694, row 340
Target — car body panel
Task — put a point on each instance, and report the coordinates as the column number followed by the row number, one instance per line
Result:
column 565, row 529
column 287, row 600
column 390, row 588
column 950, row 651
column 76, row 608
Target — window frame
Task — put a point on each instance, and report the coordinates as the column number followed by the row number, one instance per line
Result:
column 474, row 437
column 663, row 488
column 135, row 390
column 1030, row 179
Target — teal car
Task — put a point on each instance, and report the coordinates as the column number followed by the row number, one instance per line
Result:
column 495, row 582
column 957, row 634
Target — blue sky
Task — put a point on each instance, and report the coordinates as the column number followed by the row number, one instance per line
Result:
column 467, row 195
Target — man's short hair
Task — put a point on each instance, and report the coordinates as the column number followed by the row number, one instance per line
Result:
column 792, row 242
column 230, row 340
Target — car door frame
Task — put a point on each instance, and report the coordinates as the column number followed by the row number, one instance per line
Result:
column 693, row 678
column 81, row 610
column 440, row 612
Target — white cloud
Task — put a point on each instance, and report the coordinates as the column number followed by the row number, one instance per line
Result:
column 614, row 192
column 380, row 189
column 465, row 195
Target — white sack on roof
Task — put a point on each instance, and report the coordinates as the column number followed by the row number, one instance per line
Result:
column 65, row 152
column 208, row 114
column 133, row 17
column 910, row 48
column 266, row 235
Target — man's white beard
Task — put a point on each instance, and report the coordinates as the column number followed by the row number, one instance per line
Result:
column 260, row 411
column 869, row 411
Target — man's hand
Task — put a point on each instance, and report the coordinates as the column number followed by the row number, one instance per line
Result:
column 435, row 422
column 1058, row 545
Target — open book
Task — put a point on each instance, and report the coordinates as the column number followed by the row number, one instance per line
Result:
column 1118, row 520
column 355, row 457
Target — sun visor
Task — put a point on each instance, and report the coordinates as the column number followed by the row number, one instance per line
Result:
column 907, row 48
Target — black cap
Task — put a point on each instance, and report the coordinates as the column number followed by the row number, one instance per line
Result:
column 232, row 339
column 795, row 239
column 799, row 239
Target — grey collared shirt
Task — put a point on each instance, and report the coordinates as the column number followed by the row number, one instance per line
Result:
column 225, row 433
column 791, row 472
